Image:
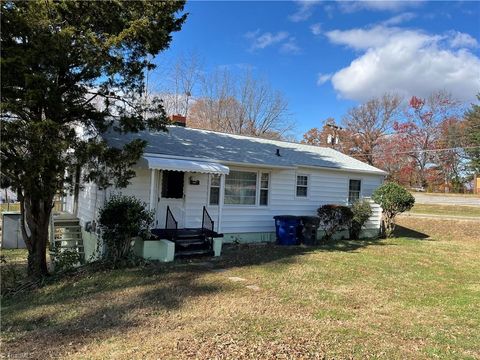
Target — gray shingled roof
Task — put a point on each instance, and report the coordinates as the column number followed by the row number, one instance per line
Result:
column 203, row 144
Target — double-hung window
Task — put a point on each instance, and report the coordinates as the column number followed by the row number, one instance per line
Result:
column 264, row 181
column 354, row 190
column 214, row 189
column 302, row 186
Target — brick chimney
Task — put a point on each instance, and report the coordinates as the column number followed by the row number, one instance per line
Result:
column 179, row 120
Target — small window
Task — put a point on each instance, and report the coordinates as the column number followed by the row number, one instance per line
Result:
column 354, row 191
column 302, row 185
column 240, row 188
column 214, row 190
column 172, row 184
column 264, row 180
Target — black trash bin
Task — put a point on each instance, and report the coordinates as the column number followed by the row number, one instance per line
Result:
column 286, row 229
column 309, row 227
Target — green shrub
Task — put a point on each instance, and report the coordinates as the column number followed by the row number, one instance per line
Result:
column 121, row 219
column 65, row 260
column 334, row 218
column 361, row 210
column 394, row 199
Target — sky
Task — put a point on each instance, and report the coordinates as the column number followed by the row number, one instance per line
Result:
column 327, row 56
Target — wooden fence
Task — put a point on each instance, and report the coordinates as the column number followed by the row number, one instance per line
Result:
column 16, row 206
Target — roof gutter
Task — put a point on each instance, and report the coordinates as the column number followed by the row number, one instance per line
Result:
column 371, row 172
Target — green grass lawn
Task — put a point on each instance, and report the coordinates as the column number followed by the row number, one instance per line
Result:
column 456, row 210
column 416, row 296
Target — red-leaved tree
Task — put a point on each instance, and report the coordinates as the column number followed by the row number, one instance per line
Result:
column 421, row 132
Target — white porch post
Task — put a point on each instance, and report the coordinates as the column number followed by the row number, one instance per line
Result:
column 220, row 202
column 151, row 203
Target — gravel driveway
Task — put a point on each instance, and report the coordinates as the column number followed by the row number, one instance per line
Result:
column 421, row 198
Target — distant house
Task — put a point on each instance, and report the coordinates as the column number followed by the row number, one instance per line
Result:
column 241, row 181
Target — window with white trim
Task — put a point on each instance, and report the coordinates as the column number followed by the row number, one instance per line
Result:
column 302, row 185
column 354, row 189
column 214, row 189
column 264, row 183
column 240, row 188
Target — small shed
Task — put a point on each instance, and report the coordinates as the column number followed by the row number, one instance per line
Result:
column 12, row 237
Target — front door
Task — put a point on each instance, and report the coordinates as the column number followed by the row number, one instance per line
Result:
column 171, row 193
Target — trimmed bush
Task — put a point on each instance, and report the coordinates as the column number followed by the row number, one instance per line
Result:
column 121, row 219
column 361, row 210
column 394, row 199
column 334, row 218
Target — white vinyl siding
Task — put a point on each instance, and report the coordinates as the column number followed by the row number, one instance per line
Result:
column 90, row 201
column 324, row 187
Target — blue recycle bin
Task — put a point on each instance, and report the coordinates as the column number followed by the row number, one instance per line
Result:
column 286, row 229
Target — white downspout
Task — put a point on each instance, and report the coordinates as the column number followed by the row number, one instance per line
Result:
column 220, row 202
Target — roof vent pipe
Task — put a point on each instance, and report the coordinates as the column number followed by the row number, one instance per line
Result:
column 278, row 152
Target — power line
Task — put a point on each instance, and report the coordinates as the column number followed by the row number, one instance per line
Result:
column 422, row 151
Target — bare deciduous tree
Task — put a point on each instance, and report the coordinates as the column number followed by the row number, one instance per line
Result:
column 370, row 122
column 240, row 105
column 180, row 80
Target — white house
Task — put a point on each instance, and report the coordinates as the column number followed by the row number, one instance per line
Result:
column 242, row 181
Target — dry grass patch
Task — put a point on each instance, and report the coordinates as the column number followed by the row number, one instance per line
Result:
column 410, row 297
column 456, row 210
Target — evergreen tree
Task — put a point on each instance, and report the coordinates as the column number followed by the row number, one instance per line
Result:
column 72, row 70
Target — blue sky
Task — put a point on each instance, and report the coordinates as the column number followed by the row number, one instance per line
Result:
column 328, row 56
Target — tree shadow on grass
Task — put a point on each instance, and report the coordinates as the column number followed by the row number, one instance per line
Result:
column 258, row 254
column 401, row 231
column 49, row 326
column 91, row 306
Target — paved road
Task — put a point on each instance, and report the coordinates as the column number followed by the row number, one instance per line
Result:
column 421, row 198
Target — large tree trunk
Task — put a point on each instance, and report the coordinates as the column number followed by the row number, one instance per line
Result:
column 35, row 223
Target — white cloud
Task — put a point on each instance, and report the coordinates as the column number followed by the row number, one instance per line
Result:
column 409, row 62
column 323, row 78
column 363, row 39
column 377, row 5
column 304, row 11
column 261, row 41
column 398, row 19
column 316, row 29
column 286, row 43
column 290, row 46
column 459, row 39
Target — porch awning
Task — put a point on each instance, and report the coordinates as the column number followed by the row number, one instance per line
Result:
column 186, row 165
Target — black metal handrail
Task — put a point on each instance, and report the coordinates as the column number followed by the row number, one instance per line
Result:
column 170, row 222
column 207, row 222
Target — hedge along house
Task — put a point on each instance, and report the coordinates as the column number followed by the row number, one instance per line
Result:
column 241, row 181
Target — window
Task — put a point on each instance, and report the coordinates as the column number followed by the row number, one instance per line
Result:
column 354, row 191
column 241, row 188
column 172, row 184
column 302, row 185
column 264, row 180
column 214, row 190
